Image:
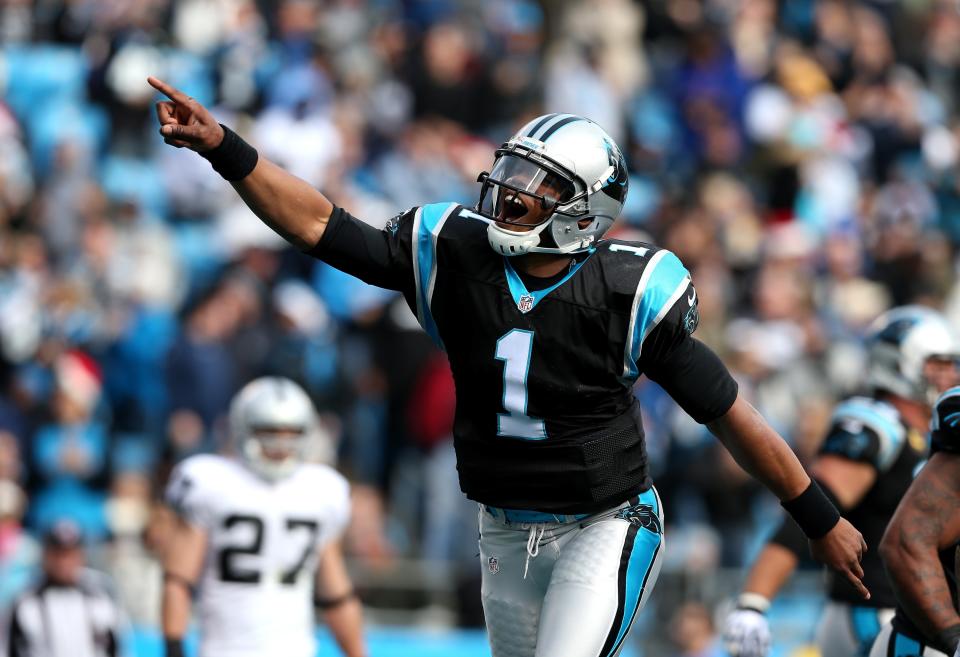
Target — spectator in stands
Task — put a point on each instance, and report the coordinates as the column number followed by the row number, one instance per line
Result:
column 70, row 453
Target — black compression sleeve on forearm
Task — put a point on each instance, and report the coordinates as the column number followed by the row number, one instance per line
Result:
column 234, row 159
column 814, row 510
column 357, row 248
column 789, row 534
column 697, row 379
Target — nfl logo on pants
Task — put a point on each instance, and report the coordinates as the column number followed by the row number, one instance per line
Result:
column 493, row 565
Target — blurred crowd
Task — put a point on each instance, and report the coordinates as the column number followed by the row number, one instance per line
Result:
column 801, row 157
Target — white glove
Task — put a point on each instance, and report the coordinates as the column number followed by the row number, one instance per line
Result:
column 746, row 633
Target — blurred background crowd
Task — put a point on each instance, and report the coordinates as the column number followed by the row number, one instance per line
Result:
column 800, row 156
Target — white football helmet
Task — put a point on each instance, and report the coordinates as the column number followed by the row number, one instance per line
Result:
column 901, row 341
column 272, row 423
column 569, row 168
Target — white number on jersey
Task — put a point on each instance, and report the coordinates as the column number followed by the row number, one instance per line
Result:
column 515, row 349
column 635, row 250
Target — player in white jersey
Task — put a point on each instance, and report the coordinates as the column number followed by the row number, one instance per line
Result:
column 258, row 537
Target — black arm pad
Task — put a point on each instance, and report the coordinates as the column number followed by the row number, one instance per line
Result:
column 696, row 379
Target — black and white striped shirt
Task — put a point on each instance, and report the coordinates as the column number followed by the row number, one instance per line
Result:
column 52, row 620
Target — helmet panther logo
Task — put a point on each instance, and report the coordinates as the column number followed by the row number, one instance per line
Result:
column 613, row 158
column 616, row 184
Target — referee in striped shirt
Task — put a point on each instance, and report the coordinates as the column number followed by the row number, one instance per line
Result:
column 69, row 613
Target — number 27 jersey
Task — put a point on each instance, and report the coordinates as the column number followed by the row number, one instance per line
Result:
column 545, row 418
column 263, row 540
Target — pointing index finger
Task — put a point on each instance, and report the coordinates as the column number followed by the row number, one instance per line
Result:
column 858, row 584
column 170, row 92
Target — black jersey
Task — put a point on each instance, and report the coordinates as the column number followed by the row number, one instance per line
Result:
column 869, row 430
column 546, row 418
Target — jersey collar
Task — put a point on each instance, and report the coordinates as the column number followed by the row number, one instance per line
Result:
column 526, row 300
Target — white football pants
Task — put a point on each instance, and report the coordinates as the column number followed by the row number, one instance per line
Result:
column 568, row 589
column 847, row 630
column 891, row 643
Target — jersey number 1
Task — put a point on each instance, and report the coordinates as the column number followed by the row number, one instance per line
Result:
column 515, row 348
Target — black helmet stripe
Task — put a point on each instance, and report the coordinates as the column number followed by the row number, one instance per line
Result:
column 541, row 123
column 539, row 132
column 556, row 126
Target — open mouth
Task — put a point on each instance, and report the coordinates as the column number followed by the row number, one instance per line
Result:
column 512, row 208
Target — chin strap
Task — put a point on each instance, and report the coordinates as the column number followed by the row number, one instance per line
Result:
column 524, row 242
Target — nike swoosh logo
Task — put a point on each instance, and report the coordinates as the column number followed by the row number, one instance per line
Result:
column 692, row 299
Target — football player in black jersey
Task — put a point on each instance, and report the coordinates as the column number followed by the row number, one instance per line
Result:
column 919, row 548
column 866, row 464
column 546, row 327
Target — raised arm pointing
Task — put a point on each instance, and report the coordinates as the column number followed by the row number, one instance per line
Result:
column 289, row 205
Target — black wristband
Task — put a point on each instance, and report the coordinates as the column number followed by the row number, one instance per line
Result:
column 813, row 511
column 173, row 647
column 947, row 640
column 234, row 158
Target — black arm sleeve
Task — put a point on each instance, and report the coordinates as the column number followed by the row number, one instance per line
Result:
column 378, row 257
column 789, row 534
column 685, row 367
column 695, row 377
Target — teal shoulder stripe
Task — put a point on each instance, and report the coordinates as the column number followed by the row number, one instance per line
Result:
column 663, row 281
column 427, row 225
column 883, row 422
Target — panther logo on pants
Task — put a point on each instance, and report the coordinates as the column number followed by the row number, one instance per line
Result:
column 641, row 515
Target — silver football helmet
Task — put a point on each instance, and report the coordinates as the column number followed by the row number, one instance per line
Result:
column 272, row 423
column 556, row 186
column 901, row 341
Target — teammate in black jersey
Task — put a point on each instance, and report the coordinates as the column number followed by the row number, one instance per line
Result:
column 919, row 548
column 546, row 333
column 866, row 463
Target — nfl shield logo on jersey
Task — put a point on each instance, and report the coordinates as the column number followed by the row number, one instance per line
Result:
column 493, row 565
column 525, row 303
